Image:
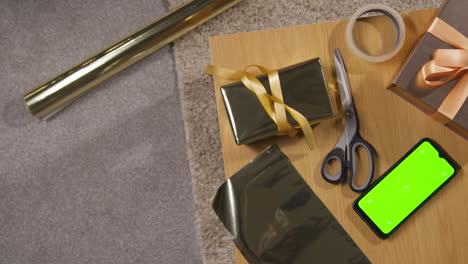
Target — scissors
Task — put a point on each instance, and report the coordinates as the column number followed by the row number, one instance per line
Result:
column 345, row 151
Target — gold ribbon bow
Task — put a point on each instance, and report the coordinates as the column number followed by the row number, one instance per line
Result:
column 446, row 65
column 273, row 104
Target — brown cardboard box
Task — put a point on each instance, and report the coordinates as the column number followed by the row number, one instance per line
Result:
column 455, row 13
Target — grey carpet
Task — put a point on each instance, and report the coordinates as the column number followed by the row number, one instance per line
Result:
column 106, row 180
column 199, row 107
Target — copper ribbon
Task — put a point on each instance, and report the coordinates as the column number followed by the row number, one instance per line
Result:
column 446, row 65
column 273, row 104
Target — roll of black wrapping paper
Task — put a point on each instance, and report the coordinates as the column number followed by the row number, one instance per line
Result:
column 55, row 94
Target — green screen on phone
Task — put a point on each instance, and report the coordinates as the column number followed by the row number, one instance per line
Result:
column 406, row 187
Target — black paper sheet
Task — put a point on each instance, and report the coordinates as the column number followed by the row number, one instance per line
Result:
column 276, row 218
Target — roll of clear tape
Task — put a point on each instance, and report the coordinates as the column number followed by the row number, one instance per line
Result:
column 384, row 10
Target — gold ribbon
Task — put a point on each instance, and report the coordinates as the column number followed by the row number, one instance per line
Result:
column 447, row 65
column 273, row 104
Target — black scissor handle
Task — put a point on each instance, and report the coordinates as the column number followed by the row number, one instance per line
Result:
column 339, row 155
column 355, row 144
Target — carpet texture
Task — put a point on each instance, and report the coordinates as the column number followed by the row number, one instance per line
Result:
column 106, row 180
column 198, row 102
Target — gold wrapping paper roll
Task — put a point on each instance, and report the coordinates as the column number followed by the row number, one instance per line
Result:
column 52, row 96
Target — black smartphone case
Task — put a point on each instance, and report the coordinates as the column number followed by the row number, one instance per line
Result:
column 369, row 222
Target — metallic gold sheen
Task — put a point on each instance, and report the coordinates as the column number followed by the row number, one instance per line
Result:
column 269, row 102
column 58, row 92
column 250, row 102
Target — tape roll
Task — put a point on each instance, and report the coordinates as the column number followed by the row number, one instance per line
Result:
column 384, row 10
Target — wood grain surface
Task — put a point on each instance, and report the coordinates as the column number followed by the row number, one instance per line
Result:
column 438, row 233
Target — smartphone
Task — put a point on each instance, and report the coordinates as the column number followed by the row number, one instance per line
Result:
column 405, row 187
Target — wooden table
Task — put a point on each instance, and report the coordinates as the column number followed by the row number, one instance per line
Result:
column 438, row 233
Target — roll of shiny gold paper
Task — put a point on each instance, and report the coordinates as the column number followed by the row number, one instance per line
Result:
column 52, row 96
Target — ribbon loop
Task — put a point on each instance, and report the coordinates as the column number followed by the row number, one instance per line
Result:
column 447, row 65
column 451, row 57
column 273, row 104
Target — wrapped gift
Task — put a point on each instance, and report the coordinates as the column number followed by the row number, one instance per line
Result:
column 275, row 217
column 435, row 77
column 303, row 88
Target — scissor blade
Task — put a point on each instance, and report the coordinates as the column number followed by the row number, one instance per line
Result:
column 343, row 82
